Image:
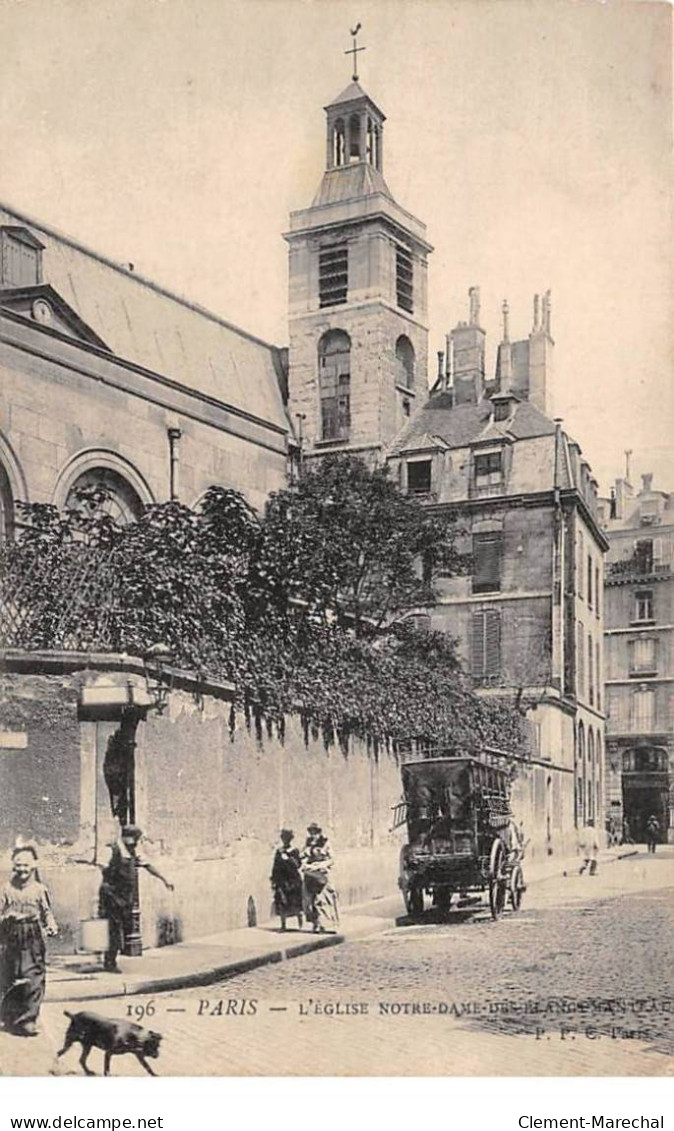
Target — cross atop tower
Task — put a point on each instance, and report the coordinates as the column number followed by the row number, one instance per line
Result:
column 354, row 50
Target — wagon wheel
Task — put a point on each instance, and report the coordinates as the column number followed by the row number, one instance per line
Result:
column 517, row 887
column 443, row 899
column 414, row 900
column 497, row 880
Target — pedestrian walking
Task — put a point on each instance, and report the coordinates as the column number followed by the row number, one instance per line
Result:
column 627, row 832
column 320, row 897
column 652, row 833
column 286, row 880
column 118, row 890
column 588, row 843
column 25, row 918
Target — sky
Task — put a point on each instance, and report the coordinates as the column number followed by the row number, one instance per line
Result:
column 533, row 137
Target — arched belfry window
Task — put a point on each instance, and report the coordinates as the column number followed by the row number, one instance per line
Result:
column 118, row 499
column 404, row 362
column 354, row 138
column 369, row 148
column 338, row 142
column 334, row 375
column 6, row 507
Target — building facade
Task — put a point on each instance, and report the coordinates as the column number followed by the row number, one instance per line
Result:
column 639, row 649
column 529, row 615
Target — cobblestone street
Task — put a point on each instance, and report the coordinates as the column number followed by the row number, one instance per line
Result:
column 579, row 982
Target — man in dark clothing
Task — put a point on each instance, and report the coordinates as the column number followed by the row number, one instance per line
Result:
column 652, row 831
column 118, row 891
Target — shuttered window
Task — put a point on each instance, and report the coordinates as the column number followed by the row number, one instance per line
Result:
column 643, row 712
column 333, row 275
column 580, row 664
column 487, row 557
column 404, row 279
column 642, row 657
column 486, row 646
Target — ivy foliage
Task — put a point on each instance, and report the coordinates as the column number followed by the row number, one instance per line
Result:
column 302, row 608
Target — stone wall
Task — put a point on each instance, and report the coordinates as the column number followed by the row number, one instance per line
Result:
column 212, row 793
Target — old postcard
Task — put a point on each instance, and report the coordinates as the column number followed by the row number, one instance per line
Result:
column 336, row 538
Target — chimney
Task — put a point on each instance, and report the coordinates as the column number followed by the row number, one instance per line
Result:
column 647, row 483
column 467, row 343
column 623, row 492
column 441, row 369
column 504, row 358
column 541, row 350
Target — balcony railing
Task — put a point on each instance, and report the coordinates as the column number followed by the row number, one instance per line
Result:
column 637, row 568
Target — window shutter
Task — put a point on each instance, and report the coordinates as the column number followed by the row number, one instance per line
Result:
column 478, row 650
column 487, row 553
column 492, row 642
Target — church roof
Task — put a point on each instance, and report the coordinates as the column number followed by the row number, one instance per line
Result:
column 348, row 182
column 142, row 323
column 353, row 93
column 465, row 424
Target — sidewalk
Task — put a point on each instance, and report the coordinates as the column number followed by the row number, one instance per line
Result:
column 202, row 961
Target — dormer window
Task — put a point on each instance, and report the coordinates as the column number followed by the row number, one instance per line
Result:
column 20, row 258
column 489, row 469
column 419, row 477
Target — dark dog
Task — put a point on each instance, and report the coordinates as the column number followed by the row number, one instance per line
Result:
column 114, row 1037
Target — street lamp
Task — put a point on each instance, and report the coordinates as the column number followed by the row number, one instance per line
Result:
column 158, row 670
column 157, row 667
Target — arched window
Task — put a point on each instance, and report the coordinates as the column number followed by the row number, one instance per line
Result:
column 6, row 507
column 600, row 774
column 591, row 775
column 118, row 498
column 580, row 776
column 404, row 362
column 338, row 142
column 369, row 143
column 354, row 139
column 334, row 375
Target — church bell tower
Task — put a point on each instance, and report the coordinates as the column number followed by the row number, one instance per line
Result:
column 358, row 351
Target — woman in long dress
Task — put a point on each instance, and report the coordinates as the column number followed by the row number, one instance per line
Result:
column 286, row 880
column 25, row 918
column 319, row 894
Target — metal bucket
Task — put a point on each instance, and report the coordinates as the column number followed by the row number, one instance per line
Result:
column 95, row 935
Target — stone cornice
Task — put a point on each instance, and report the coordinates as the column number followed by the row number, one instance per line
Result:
column 89, row 361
